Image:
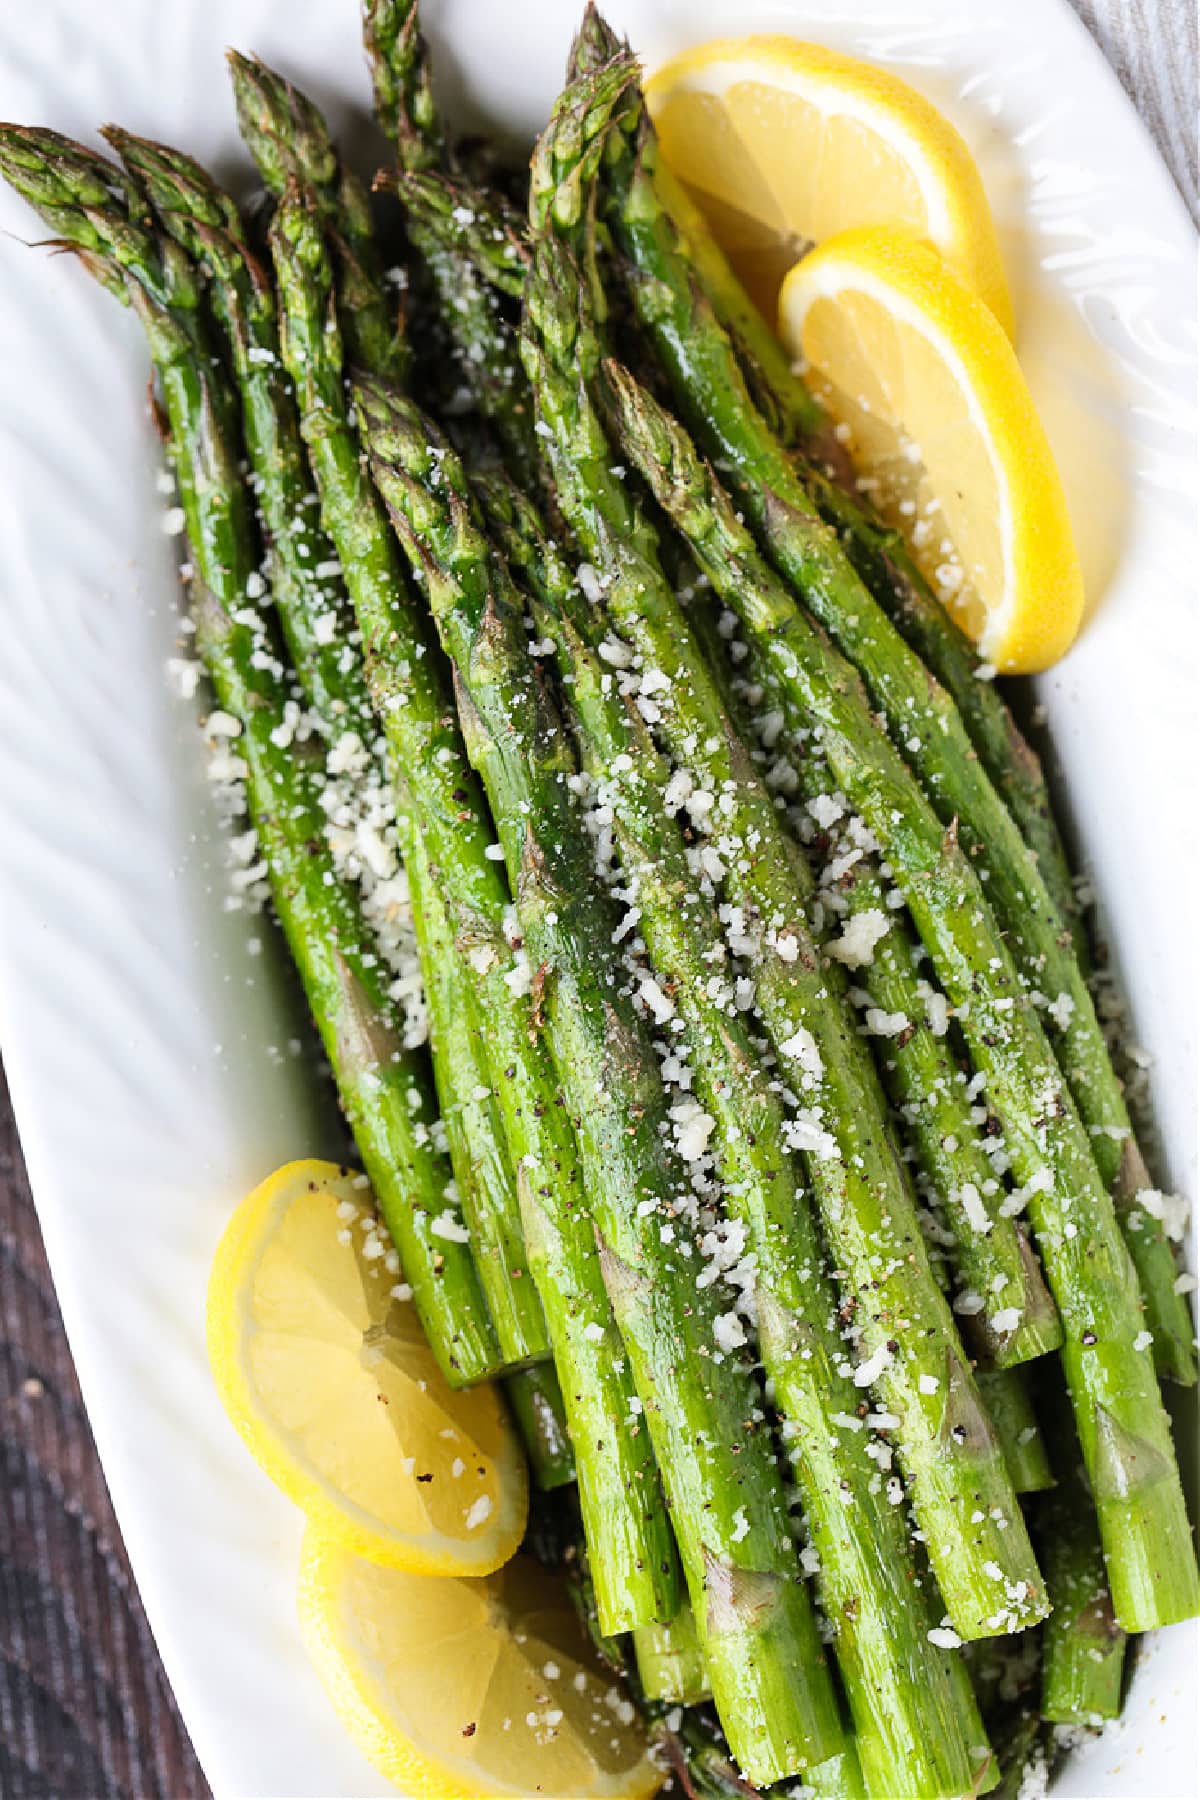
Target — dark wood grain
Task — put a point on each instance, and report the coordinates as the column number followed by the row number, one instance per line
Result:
column 85, row 1709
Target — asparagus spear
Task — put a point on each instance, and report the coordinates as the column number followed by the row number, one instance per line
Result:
column 385, row 1089
column 317, row 623
column 1006, row 1395
column 922, row 717
column 472, row 223
column 670, row 1662
column 536, row 1400
column 1119, row 1411
column 884, row 562
column 1083, row 1647
column 290, row 142
column 631, row 1545
column 483, row 1169
column 471, row 308
column 404, row 102
column 691, row 1742
column 946, row 1444
column 1084, row 1651
column 986, row 1247
column 767, row 1669
column 205, row 221
column 896, row 1681
column 996, row 1276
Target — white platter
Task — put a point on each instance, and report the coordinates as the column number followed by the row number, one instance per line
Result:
column 136, row 1023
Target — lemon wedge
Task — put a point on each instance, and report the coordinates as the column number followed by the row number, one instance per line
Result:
column 942, row 428
column 323, row 1367
column 457, row 1687
column 784, row 143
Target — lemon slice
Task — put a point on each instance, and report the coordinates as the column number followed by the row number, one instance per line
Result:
column 943, row 432
column 323, row 1367
column 454, row 1688
column 784, row 144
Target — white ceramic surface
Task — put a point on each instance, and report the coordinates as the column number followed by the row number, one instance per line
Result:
column 147, row 1046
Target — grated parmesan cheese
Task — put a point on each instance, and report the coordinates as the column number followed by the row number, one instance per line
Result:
column 867, row 1373
column 860, row 934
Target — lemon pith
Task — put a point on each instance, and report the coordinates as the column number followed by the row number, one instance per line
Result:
column 324, row 1369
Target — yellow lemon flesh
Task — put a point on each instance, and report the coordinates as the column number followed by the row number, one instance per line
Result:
column 784, row 144
column 322, row 1365
column 940, row 423
column 468, row 1687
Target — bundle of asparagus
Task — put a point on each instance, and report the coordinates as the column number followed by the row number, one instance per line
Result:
column 731, row 1196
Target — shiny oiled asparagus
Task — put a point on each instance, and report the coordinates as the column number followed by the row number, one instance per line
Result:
column 902, row 1321
column 960, row 733
column 903, row 1705
column 769, row 1677
column 449, row 230
column 1007, row 1315
column 385, row 1089
column 924, row 722
column 1118, row 1408
column 633, row 1557
column 318, row 625
column 290, row 142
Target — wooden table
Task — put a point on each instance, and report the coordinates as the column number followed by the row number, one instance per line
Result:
column 85, row 1709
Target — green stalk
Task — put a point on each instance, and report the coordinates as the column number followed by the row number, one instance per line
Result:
column 1083, row 1647
column 945, row 1442
column 1000, row 1295
column 399, row 65
column 1119, row 1411
column 451, row 228
column 670, row 1662
column 183, row 193
column 886, row 565
column 797, row 416
column 793, row 406
column 895, row 1679
column 768, row 1672
column 535, row 1398
column 385, row 1089
column 471, row 223
column 841, row 1778
column 630, row 1540
column 318, row 625
column 922, row 717
column 1006, row 1395
column 205, row 222
column 291, row 146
